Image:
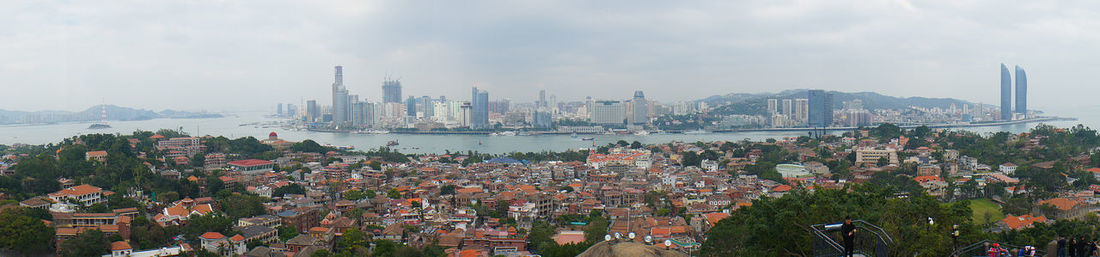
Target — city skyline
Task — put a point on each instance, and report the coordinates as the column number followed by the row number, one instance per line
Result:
column 64, row 56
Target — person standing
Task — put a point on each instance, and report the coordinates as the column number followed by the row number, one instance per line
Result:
column 848, row 231
column 1061, row 246
column 1071, row 247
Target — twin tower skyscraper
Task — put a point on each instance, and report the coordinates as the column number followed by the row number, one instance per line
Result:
column 1006, row 93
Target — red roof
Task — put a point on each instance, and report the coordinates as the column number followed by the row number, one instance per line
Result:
column 212, row 235
column 250, row 162
column 120, row 245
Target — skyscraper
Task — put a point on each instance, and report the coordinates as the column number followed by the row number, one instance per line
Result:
column 788, row 107
column 1006, row 93
column 410, row 106
column 541, row 102
column 391, row 91
column 279, row 111
column 821, row 108
column 641, row 108
column 479, row 105
column 313, row 112
column 773, row 106
column 1021, row 90
column 340, row 108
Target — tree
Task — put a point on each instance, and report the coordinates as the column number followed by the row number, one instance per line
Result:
column 214, row 184
column 292, row 188
column 596, row 230
column 309, row 146
column 540, row 233
column 87, row 243
column 447, row 190
column 213, row 222
column 354, row 195
column 287, row 232
column 321, row 253
column 393, row 194
column 243, row 205
column 22, row 233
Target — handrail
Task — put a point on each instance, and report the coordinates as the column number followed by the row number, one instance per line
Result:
column 880, row 240
column 985, row 242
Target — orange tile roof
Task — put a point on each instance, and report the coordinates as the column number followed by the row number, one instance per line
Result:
column 120, row 245
column 212, row 235
column 77, row 191
column 1018, row 222
column 1064, row 204
column 237, row 238
column 714, row 217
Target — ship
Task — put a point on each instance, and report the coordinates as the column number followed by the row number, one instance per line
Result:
column 392, row 143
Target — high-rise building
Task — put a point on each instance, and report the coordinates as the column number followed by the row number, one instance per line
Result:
column 788, row 107
column 279, row 111
column 339, row 99
column 821, row 108
column 313, row 112
column 291, row 110
column 479, row 107
column 410, row 106
column 1006, row 93
column 542, row 119
column 391, row 91
column 640, row 108
column 801, row 109
column 608, row 112
column 541, row 102
column 1021, row 90
column 773, row 106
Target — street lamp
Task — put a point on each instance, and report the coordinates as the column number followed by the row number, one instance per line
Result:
column 955, row 237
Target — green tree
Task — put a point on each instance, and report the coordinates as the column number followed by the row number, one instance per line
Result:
column 87, row 243
column 22, row 233
column 292, row 188
column 596, row 229
column 287, row 232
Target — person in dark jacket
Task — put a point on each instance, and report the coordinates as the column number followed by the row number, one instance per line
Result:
column 1071, row 247
column 1061, row 246
column 848, row 231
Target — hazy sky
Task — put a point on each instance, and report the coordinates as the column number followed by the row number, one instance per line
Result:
column 219, row 55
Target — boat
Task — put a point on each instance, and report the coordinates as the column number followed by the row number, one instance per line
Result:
column 392, row 143
column 588, row 139
column 99, row 126
column 641, row 133
column 574, row 135
column 698, row 131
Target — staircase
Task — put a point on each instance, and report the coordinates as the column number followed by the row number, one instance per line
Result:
column 870, row 241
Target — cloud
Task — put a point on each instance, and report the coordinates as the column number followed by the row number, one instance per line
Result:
column 251, row 54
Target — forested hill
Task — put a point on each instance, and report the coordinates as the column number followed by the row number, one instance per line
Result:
column 756, row 104
column 95, row 113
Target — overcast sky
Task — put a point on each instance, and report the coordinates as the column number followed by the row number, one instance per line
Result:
column 222, row 55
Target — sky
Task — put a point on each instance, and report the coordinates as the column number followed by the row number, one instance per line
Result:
column 220, row 55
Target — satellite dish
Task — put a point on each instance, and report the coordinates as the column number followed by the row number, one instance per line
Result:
column 649, row 239
column 607, row 238
column 668, row 243
column 631, row 235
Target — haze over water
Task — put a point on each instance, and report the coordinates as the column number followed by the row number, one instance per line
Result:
column 230, row 126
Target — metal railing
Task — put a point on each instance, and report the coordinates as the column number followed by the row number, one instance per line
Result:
column 981, row 248
column 871, row 240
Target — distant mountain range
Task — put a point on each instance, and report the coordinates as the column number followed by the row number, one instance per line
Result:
column 95, row 113
column 756, row 104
